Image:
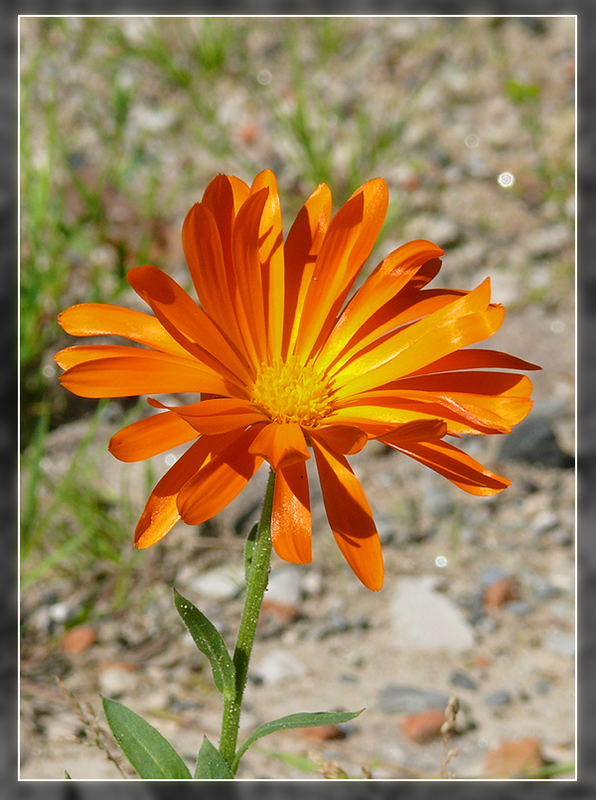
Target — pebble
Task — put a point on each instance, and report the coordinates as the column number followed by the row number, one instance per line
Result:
column 561, row 643
column 423, row 726
column 500, row 592
column 461, row 679
column 221, row 583
column 405, row 699
column 500, row 698
column 514, row 757
column 284, row 613
column 322, row 733
column 533, row 441
column 492, row 574
column 78, row 639
column 519, row 608
column 312, row 583
column 424, row 620
column 285, row 585
column 279, row 665
column 117, row 678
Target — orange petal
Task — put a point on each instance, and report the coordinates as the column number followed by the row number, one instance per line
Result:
column 205, row 258
column 150, row 436
column 342, row 438
column 250, row 303
column 493, row 397
column 219, row 481
column 141, row 372
column 406, row 307
column 99, row 319
column 218, row 415
column 223, row 197
column 187, row 322
column 281, row 443
column 347, row 244
column 81, row 353
column 271, row 255
column 376, row 419
column 301, row 249
column 161, row 512
column 463, row 322
column 455, row 465
column 349, row 516
column 388, row 279
column 290, row 519
column 471, row 358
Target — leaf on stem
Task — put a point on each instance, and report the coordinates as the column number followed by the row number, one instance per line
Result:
column 147, row 750
column 211, row 763
column 300, row 720
column 208, row 639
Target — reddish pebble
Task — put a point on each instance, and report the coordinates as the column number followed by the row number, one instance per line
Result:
column 500, row 592
column 78, row 639
column 423, row 726
column 482, row 660
column 283, row 612
column 514, row 757
column 322, row 733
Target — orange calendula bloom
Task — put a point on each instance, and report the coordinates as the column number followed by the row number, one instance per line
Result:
column 281, row 362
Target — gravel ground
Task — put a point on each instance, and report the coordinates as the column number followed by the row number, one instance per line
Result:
column 325, row 642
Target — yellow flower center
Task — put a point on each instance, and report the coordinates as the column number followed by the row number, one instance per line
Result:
column 292, row 392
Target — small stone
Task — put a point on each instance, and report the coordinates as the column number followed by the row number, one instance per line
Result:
column 117, row 678
column 322, row 733
column 500, row 592
column 424, row 620
column 519, row 608
column 500, row 698
column 514, row 757
column 542, row 687
column 312, row 583
column 284, row 585
column 492, row 574
column 482, row 660
column 78, row 639
column 548, row 240
column 462, row 680
column 221, row 583
column 562, row 644
column 533, row 441
column 285, row 613
column 279, row 665
column 423, row 726
column 410, row 699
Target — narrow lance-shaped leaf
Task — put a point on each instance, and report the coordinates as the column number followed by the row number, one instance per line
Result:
column 147, row 750
column 300, row 720
column 211, row 763
column 208, row 639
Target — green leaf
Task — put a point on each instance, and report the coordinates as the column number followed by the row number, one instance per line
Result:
column 211, row 763
column 208, row 639
column 300, row 720
column 250, row 546
column 150, row 754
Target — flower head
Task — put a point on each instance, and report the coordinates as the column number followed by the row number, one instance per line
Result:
column 281, row 361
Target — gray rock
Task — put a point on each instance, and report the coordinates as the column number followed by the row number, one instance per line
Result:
column 492, row 574
column 461, row 679
column 400, row 698
column 424, row 620
column 221, row 583
column 548, row 240
column 519, row 608
column 279, row 665
column 561, row 643
column 115, row 681
column 533, row 441
column 500, row 698
column 285, row 584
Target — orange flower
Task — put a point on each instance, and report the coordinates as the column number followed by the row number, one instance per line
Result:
column 280, row 363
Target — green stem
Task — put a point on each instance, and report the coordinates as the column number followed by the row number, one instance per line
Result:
column 258, row 575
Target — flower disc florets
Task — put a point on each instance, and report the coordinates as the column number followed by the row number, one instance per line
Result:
column 290, row 391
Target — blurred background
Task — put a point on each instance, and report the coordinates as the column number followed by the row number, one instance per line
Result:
column 471, row 122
